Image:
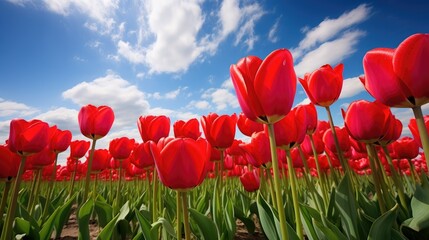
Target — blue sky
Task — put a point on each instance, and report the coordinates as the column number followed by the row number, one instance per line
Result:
column 172, row 57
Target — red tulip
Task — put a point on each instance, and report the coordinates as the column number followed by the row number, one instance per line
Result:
column 399, row 77
column 405, row 147
column 310, row 116
column 265, row 89
column 323, row 86
column 120, row 148
column 393, row 132
column 343, row 139
column 306, row 145
column 9, row 162
column 26, row 138
column 142, row 156
column 78, row 148
column 250, row 180
column 291, row 130
column 370, row 126
column 153, row 128
column 412, row 125
column 190, row 128
column 41, row 159
column 258, row 150
column 101, row 160
column 60, row 139
column 247, row 126
column 181, row 162
column 95, row 122
column 219, row 130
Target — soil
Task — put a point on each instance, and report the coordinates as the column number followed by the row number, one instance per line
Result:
column 70, row 230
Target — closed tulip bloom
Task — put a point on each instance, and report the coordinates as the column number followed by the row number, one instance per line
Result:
column 265, row 88
column 250, row 181
column 219, row 130
column 142, row 156
column 369, row 127
column 27, row 138
column 343, row 139
column 405, row 147
column 399, row 77
column 291, row 130
column 412, row 125
column 323, row 86
column 9, row 162
column 247, row 126
column 101, row 160
column 181, row 162
column 95, row 122
column 190, row 128
column 258, row 150
column 153, row 128
column 78, row 148
column 393, row 132
column 318, row 143
column 310, row 116
column 60, row 139
column 41, row 159
column 120, row 148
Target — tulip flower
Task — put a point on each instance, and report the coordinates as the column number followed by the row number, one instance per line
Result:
column 142, row 156
column 78, row 148
column 59, row 139
column 190, row 128
column 250, row 180
column 9, row 163
column 120, row 148
column 95, row 122
column 258, row 150
column 405, row 147
column 291, row 130
column 101, row 160
column 219, row 130
column 153, row 128
column 412, row 125
column 265, row 88
column 323, row 86
column 310, row 116
column 247, row 126
column 181, row 162
column 343, row 138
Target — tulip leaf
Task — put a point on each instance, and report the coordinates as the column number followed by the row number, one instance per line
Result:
column 346, row 204
column 107, row 231
column 248, row 222
column 83, row 219
column 48, row 225
column 168, row 227
column 104, row 213
column 25, row 215
column 63, row 216
column 22, row 226
column 382, row 226
column 307, row 212
column 144, row 225
column 267, row 218
column 206, row 226
column 330, row 232
column 419, row 208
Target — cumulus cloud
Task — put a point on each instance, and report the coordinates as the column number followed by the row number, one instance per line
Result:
column 331, row 52
column 100, row 11
column 14, row 109
column 330, row 28
column 127, row 101
column 272, row 34
column 351, row 87
column 130, row 53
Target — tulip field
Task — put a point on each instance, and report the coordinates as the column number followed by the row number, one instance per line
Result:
column 293, row 177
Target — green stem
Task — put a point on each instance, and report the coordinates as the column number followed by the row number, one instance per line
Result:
column 295, row 200
column 186, row 215
column 155, row 196
column 424, row 137
column 73, row 178
column 34, row 191
column 50, row 188
column 396, row 180
column 88, row 171
column 269, row 178
column 7, row 227
column 275, row 164
column 118, row 190
column 5, row 195
column 179, row 215
column 322, row 179
column 375, row 175
column 343, row 162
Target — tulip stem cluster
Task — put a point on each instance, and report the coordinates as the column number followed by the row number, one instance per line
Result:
column 424, row 137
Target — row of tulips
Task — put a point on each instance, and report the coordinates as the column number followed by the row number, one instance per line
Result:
column 300, row 176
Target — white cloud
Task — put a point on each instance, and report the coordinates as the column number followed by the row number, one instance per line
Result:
column 101, row 11
column 229, row 16
column 169, row 95
column 21, row 3
column 272, row 34
column 351, row 87
column 64, row 118
column 221, row 98
column 251, row 14
column 329, row 28
column 200, row 105
column 15, row 109
column 126, row 100
column 131, row 54
column 331, row 52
